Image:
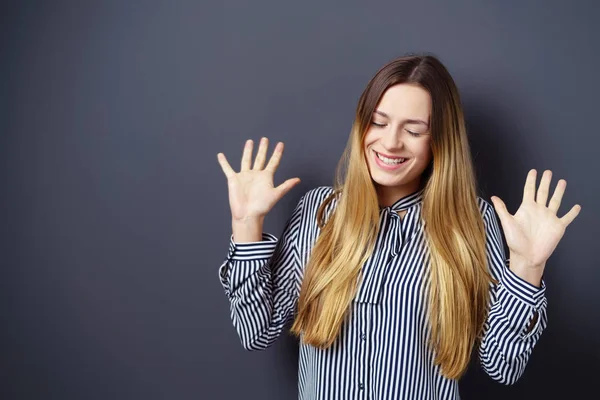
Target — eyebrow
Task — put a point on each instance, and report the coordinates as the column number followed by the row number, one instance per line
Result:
column 409, row 121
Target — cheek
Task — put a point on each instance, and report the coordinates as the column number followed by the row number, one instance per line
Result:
column 369, row 138
column 365, row 144
column 427, row 154
column 425, row 151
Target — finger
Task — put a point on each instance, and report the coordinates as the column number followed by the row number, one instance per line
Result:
column 261, row 155
column 247, row 155
column 287, row 186
column 227, row 170
column 529, row 190
column 275, row 158
column 501, row 210
column 570, row 216
column 554, row 204
column 542, row 193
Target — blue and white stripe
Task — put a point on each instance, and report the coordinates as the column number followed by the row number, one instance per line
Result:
column 381, row 352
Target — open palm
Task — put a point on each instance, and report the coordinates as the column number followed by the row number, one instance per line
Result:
column 535, row 230
column 251, row 191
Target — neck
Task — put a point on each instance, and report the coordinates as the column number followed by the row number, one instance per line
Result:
column 388, row 195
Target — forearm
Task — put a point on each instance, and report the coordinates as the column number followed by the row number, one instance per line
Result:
column 259, row 305
column 530, row 273
column 504, row 354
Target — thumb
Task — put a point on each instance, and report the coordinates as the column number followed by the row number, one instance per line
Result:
column 501, row 210
column 287, row 186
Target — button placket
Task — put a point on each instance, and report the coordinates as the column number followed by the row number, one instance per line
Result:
column 366, row 337
column 363, row 326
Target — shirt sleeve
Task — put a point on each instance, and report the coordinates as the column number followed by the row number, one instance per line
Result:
column 507, row 343
column 259, row 279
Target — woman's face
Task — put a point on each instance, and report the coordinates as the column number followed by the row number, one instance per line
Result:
column 398, row 141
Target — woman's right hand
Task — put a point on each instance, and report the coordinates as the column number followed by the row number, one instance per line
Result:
column 251, row 191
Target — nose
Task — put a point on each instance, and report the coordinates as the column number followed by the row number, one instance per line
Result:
column 392, row 139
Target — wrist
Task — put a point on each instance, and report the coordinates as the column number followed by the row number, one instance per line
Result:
column 526, row 270
column 248, row 220
column 247, row 230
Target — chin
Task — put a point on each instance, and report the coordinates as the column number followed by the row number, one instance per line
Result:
column 388, row 180
column 389, row 183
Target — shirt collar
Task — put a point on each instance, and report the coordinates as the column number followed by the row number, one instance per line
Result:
column 407, row 201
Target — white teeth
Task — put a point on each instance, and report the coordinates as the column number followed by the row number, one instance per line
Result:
column 389, row 160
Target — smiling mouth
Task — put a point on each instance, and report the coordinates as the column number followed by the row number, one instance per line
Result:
column 390, row 160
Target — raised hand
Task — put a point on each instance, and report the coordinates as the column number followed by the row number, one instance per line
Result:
column 535, row 230
column 251, row 191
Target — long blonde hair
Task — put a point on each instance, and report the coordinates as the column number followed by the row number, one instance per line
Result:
column 454, row 230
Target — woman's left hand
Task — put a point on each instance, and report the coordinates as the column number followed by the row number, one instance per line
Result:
column 534, row 231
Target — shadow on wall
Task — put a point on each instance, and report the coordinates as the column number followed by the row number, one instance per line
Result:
column 559, row 361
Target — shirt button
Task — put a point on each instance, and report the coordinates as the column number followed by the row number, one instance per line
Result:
column 361, row 386
column 363, row 337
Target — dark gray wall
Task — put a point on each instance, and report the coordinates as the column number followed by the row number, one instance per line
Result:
column 114, row 212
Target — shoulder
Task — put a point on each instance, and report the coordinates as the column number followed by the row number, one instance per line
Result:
column 489, row 215
column 317, row 195
column 485, row 207
column 313, row 198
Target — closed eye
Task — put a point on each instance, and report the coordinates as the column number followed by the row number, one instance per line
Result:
column 415, row 134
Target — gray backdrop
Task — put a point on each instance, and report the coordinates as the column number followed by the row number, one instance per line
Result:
column 114, row 209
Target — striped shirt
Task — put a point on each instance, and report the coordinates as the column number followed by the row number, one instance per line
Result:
column 381, row 352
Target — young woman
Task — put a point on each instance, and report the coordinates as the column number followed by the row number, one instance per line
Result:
column 394, row 274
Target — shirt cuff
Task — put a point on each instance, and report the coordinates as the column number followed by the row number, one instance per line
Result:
column 523, row 290
column 252, row 250
column 240, row 252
